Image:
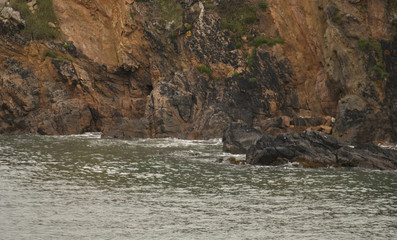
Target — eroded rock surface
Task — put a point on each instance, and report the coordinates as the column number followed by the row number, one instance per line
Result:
column 314, row 149
column 130, row 69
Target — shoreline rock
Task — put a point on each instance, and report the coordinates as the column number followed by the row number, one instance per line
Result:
column 238, row 138
column 312, row 149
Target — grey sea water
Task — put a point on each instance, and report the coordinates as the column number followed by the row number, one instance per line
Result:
column 84, row 187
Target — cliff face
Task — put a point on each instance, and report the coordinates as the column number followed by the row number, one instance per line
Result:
column 132, row 69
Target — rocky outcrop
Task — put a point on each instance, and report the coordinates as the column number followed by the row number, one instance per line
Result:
column 238, row 138
column 315, row 149
column 130, row 69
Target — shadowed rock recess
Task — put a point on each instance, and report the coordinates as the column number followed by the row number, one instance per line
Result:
column 187, row 69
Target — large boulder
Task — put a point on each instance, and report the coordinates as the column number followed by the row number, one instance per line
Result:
column 238, row 138
column 367, row 156
column 310, row 148
column 315, row 149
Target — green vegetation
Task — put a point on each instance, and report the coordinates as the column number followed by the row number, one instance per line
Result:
column 260, row 40
column 37, row 23
column 336, row 16
column 262, row 5
column 171, row 12
column 66, row 46
column 208, row 4
column 239, row 44
column 132, row 15
column 252, row 80
column 236, row 74
column 238, row 19
column 373, row 45
column 51, row 54
column 250, row 62
column 204, row 69
column 173, row 35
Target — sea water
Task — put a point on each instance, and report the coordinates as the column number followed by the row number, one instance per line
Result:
column 85, row 187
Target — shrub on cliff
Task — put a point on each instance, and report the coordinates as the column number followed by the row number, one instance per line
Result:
column 260, row 40
column 204, row 69
column 37, row 24
column 238, row 18
column 262, row 5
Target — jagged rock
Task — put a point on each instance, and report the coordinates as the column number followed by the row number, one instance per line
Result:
column 310, row 147
column 357, row 121
column 367, row 156
column 66, row 71
column 238, row 138
column 315, row 149
column 127, row 65
column 10, row 13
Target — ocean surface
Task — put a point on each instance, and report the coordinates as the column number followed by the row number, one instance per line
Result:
column 84, row 187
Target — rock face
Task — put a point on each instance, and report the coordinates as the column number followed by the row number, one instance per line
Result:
column 130, row 69
column 238, row 138
column 315, row 149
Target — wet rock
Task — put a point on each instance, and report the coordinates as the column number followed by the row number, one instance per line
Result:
column 367, row 156
column 231, row 160
column 309, row 147
column 314, row 149
column 238, row 138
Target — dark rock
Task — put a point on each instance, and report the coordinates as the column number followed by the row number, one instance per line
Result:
column 357, row 121
column 367, row 156
column 314, row 149
column 238, row 138
column 310, row 148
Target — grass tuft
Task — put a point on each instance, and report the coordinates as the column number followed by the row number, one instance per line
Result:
column 37, row 23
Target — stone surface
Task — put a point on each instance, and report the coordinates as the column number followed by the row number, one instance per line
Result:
column 314, row 149
column 238, row 138
column 132, row 72
column 10, row 13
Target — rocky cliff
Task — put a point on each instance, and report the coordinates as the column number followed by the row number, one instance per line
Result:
column 154, row 68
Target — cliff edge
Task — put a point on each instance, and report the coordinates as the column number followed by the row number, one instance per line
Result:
column 154, row 68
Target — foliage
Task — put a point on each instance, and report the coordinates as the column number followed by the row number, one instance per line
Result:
column 262, row 5
column 37, row 23
column 171, row 11
column 132, row 15
column 250, row 62
column 260, row 40
column 204, row 69
column 236, row 74
column 373, row 45
column 238, row 19
column 66, row 46
column 363, row 44
column 335, row 14
column 252, row 80
column 173, row 35
column 239, row 44
column 51, row 54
